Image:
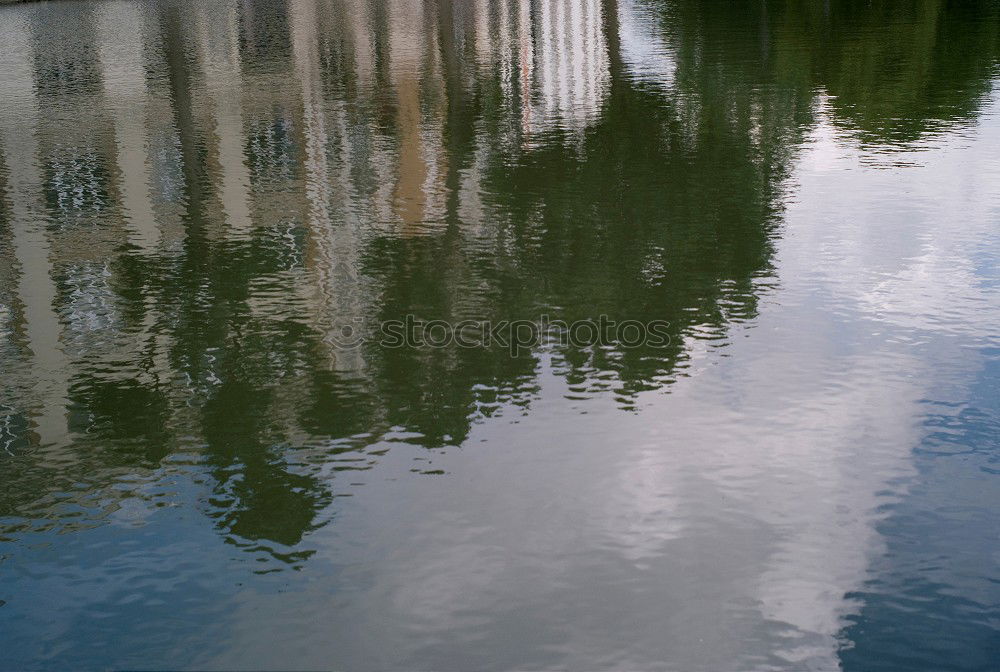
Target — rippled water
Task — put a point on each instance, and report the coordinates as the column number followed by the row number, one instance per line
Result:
column 196, row 199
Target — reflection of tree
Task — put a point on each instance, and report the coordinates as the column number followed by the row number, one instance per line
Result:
column 920, row 63
column 439, row 164
column 894, row 69
column 641, row 220
column 219, row 348
column 666, row 207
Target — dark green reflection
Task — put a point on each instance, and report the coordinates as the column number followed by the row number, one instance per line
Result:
column 309, row 165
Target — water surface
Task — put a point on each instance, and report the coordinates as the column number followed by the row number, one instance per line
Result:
column 201, row 471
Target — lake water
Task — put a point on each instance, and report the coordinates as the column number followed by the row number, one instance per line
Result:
column 212, row 458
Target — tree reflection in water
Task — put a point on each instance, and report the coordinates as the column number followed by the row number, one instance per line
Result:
column 194, row 205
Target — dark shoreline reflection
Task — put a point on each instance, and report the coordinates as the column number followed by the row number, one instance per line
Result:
column 196, row 198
